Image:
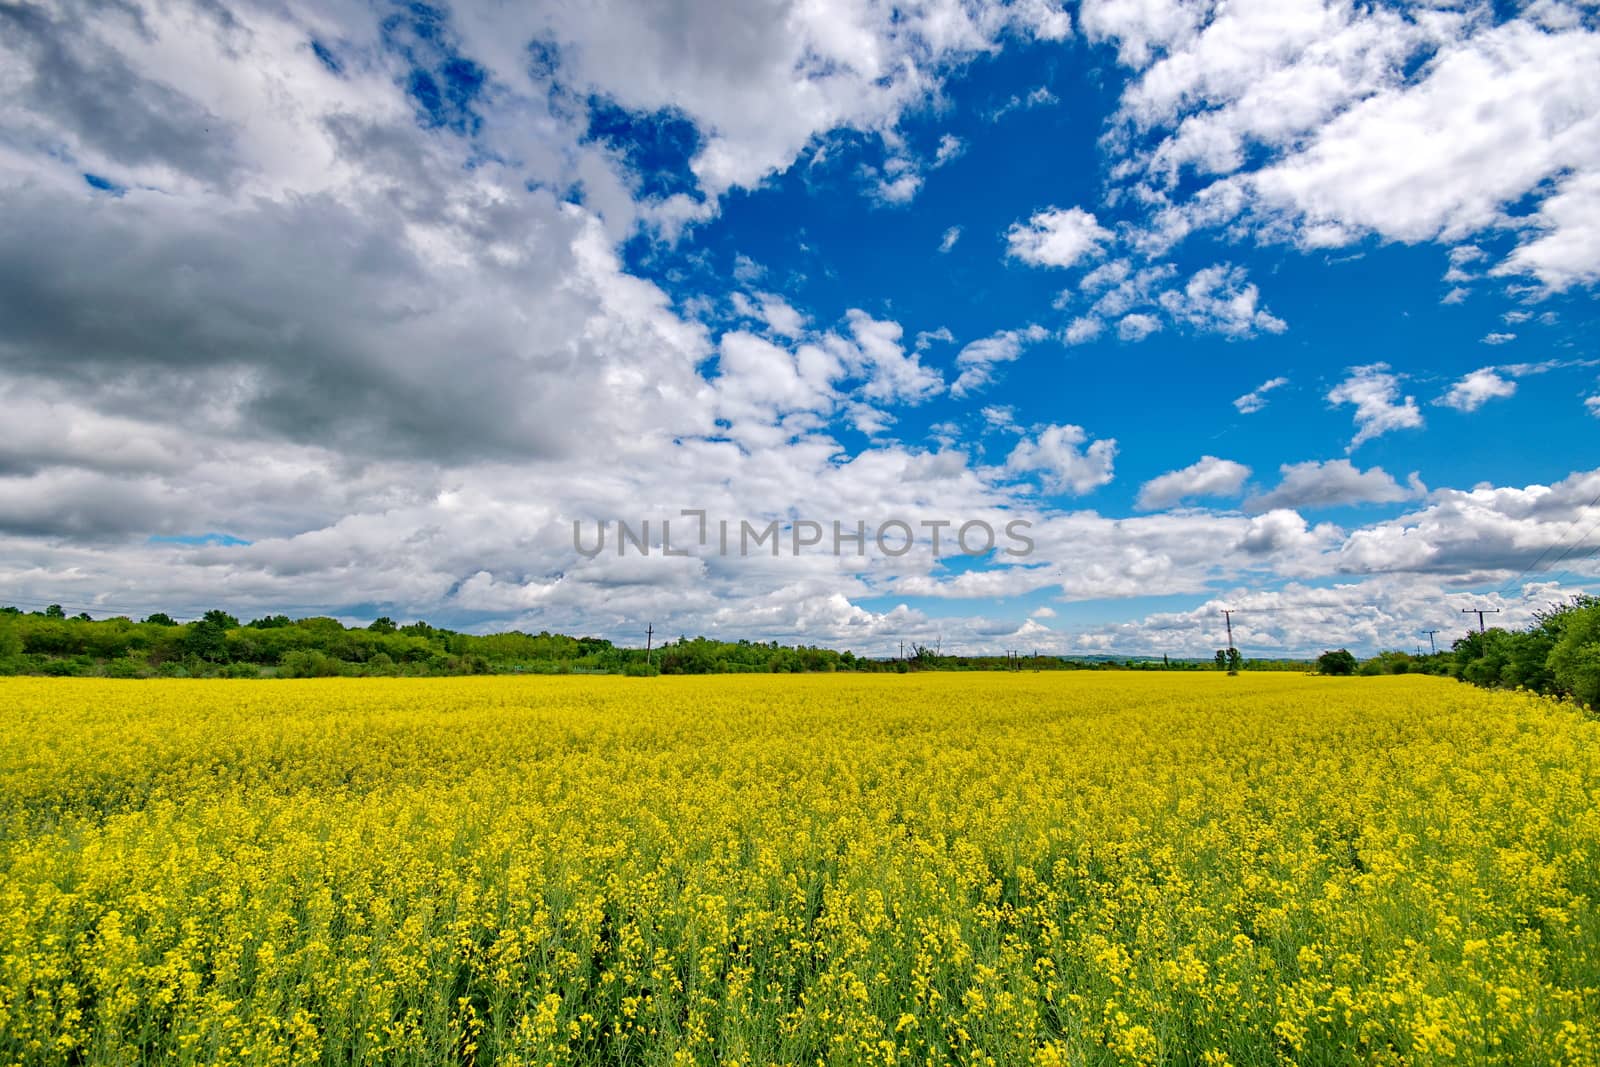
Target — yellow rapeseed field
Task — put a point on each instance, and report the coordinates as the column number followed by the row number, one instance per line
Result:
column 925, row 869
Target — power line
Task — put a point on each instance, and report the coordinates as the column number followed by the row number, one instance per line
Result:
column 1506, row 589
column 1575, row 546
column 80, row 606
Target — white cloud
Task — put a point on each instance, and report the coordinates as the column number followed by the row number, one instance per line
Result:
column 1256, row 399
column 898, row 182
column 1474, row 390
column 874, row 352
column 1122, row 289
column 1218, row 299
column 1375, row 392
column 747, row 271
column 1082, row 330
column 1208, row 477
column 1498, row 338
column 478, row 368
column 1593, row 404
column 780, row 316
column 1334, row 483
column 950, row 147
column 951, row 236
column 1567, row 225
column 1057, row 238
column 1137, row 327
column 1001, row 417
column 760, row 86
column 1323, row 122
column 1039, row 97
column 776, row 313
column 1062, row 462
column 1112, row 272
column 977, row 360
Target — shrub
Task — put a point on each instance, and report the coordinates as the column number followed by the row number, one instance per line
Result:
column 1340, row 662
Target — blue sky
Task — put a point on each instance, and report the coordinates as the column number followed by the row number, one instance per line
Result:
column 1286, row 306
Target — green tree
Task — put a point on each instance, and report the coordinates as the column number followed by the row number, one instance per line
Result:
column 10, row 643
column 207, row 640
column 160, row 618
column 1575, row 660
column 1340, row 662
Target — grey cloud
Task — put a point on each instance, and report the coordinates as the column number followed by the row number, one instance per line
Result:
column 1334, row 483
column 88, row 89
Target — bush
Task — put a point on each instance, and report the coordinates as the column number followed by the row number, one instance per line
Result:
column 1336, row 663
column 126, row 667
column 1575, row 659
column 635, row 669
column 309, row 664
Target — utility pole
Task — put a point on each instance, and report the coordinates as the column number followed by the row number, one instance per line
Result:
column 1432, row 644
column 1480, row 612
column 1227, row 614
column 649, row 638
column 902, row 650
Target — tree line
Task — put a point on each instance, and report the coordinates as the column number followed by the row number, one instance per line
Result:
column 50, row 642
column 1557, row 655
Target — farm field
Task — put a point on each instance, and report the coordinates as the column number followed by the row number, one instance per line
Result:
column 979, row 869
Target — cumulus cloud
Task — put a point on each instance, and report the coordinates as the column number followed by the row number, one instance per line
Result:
column 1064, row 465
column 1138, row 326
column 1218, row 299
column 1057, row 238
column 1304, row 620
column 385, row 338
column 978, row 360
column 951, row 236
column 1474, row 390
column 1256, row 399
column 1208, row 477
column 1287, row 120
column 1333, row 483
column 1001, row 417
column 874, row 352
column 1083, row 329
column 1380, row 409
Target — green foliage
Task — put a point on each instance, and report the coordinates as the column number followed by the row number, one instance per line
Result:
column 1339, row 662
column 207, row 640
column 216, row 645
column 1559, row 654
column 1574, row 660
